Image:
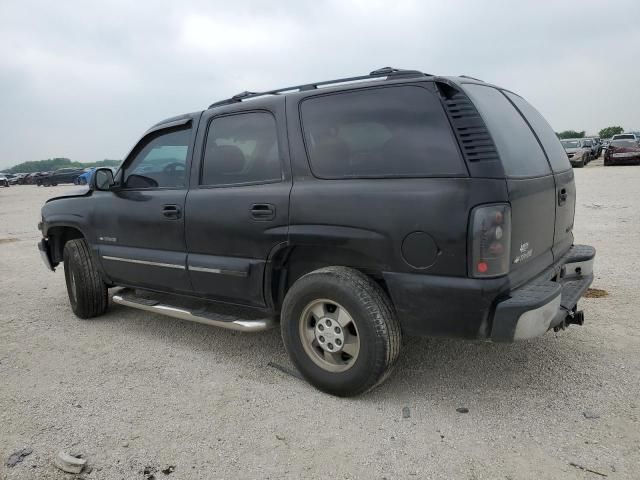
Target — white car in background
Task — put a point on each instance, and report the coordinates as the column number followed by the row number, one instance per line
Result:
column 4, row 181
column 626, row 136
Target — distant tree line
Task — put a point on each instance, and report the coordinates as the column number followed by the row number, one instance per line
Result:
column 51, row 164
column 604, row 133
column 610, row 132
column 571, row 134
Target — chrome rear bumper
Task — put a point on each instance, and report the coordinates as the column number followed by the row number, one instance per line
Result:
column 547, row 301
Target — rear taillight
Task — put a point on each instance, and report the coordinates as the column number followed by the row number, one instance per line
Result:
column 490, row 240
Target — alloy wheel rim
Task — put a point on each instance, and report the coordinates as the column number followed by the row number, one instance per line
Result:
column 329, row 335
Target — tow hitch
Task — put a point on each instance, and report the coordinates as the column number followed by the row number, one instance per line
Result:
column 572, row 318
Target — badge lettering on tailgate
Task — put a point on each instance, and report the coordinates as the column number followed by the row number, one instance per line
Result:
column 525, row 253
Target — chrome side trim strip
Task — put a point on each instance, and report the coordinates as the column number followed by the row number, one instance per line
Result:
column 220, row 271
column 143, row 262
column 258, row 325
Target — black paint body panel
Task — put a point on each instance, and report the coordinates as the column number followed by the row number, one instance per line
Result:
column 411, row 234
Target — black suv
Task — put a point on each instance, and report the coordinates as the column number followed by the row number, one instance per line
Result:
column 62, row 175
column 353, row 211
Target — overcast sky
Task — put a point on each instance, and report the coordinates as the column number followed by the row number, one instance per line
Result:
column 84, row 79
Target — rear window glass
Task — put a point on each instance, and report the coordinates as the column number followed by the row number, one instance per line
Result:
column 624, row 136
column 519, row 150
column 388, row 132
column 623, row 143
column 556, row 154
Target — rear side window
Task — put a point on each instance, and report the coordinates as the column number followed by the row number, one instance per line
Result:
column 519, row 150
column 382, row 132
column 242, row 148
column 552, row 146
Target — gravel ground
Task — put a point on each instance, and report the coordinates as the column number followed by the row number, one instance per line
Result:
column 136, row 392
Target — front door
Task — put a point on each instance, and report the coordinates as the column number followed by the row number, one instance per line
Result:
column 139, row 224
column 238, row 204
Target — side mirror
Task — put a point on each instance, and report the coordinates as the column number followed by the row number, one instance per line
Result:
column 102, row 179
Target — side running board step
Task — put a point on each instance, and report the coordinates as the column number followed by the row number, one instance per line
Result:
column 223, row 316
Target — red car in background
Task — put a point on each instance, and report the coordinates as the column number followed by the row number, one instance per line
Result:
column 622, row 152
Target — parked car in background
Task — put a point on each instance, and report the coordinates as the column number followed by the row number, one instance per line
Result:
column 626, row 136
column 63, row 175
column 36, row 178
column 85, row 177
column 622, row 152
column 4, row 181
column 598, row 145
column 591, row 145
column 29, row 179
column 40, row 178
column 578, row 152
column 13, row 178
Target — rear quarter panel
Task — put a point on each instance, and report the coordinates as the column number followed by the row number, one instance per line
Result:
column 372, row 218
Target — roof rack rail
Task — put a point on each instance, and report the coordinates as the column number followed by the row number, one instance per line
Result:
column 389, row 72
column 472, row 78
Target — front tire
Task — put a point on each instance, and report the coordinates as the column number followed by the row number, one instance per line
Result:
column 340, row 330
column 87, row 292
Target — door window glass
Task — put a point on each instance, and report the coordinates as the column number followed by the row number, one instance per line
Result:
column 161, row 163
column 241, row 149
column 382, row 132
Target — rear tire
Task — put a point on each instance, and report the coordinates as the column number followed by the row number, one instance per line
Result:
column 87, row 292
column 364, row 336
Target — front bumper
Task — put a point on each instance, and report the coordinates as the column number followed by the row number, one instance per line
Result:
column 43, row 247
column 548, row 301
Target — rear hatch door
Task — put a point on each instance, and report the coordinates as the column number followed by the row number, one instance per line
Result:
column 562, row 172
column 542, row 201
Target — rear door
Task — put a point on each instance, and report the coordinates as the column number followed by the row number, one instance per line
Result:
column 530, row 181
column 562, row 171
column 237, row 208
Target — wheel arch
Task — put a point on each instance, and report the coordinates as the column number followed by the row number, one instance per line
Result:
column 58, row 236
column 287, row 263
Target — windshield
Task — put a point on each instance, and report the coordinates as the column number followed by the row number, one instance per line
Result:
column 624, row 136
column 570, row 143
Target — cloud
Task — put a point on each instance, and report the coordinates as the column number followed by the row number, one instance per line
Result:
column 85, row 79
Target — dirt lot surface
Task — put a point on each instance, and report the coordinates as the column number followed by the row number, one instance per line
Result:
column 135, row 392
